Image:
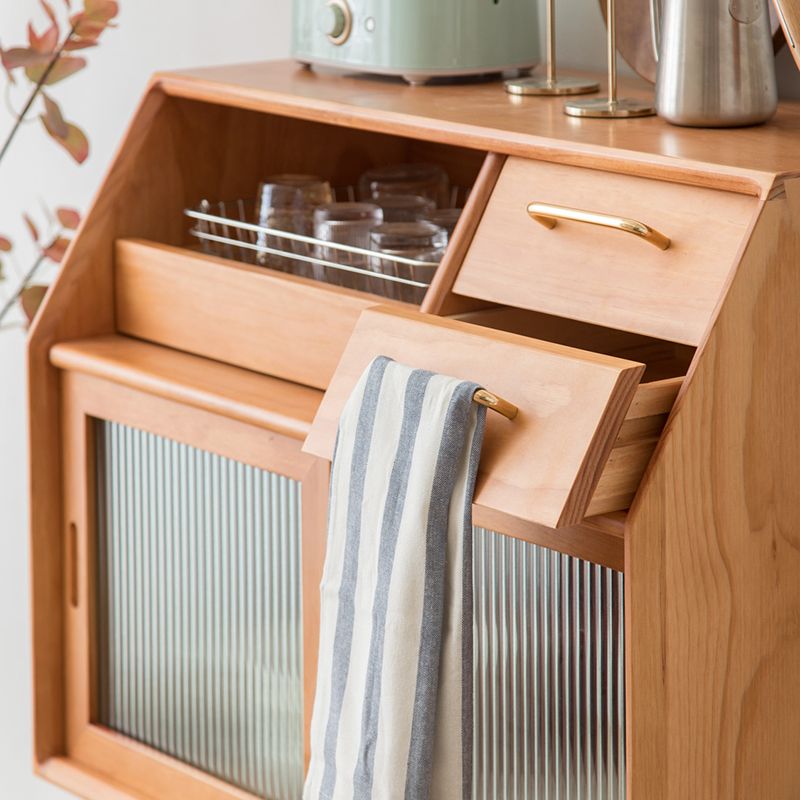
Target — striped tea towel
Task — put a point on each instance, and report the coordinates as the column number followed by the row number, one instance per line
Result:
column 393, row 708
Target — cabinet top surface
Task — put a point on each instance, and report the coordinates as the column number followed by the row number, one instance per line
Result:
column 482, row 115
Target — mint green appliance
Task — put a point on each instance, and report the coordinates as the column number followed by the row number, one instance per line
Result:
column 417, row 39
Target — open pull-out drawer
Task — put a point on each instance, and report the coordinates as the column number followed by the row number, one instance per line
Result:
column 544, row 465
column 649, row 256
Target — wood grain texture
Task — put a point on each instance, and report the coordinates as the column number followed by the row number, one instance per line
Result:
column 713, row 554
column 271, row 322
column 789, row 15
column 80, row 303
column 662, row 359
column 280, row 406
column 543, row 466
column 439, row 298
column 110, row 755
column 83, row 782
column 483, row 116
column 597, row 539
column 605, row 276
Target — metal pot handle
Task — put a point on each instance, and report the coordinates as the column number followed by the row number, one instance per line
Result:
column 655, row 26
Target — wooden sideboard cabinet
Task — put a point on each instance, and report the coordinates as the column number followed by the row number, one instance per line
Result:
column 637, row 546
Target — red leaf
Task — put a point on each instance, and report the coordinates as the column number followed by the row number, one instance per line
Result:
column 22, row 57
column 68, row 217
column 56, row 249
column 53, row 119
column 79, row 44
column 31, row 227
column 48, row 9
column 94, row 19
column 5, row 244
column 65, row 66
column 75, row 142
column 103, row 10
column 47, row 42
column 31, row 299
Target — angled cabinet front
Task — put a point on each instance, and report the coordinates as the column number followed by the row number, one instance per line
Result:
column 544, row 465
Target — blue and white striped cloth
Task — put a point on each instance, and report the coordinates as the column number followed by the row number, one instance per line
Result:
column 393, row 709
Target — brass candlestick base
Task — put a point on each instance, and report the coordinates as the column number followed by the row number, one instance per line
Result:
column 607, row 108
column 556, row 86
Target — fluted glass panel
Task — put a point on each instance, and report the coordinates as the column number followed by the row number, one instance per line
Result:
column 199, row 609
column 549, row 692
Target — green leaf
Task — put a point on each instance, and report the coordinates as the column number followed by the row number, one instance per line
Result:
column 31, row 300
column 64, row 67
column 68, row 217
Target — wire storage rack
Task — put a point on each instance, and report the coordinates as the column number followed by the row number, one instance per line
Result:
column 230, row 229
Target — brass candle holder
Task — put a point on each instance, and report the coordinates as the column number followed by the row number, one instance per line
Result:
column 610, row 107
column 551, row 85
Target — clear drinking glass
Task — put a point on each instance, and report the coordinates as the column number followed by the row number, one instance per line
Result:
column 350, row 224
column 420, row 241
column 404, row 207
column 287, row 202
column 427, row 180
column 445, row 218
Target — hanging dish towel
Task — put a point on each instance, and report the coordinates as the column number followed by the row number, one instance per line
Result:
column 393, row 709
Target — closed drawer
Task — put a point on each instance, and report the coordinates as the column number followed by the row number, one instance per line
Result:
column 602, row 275
column 544, row 465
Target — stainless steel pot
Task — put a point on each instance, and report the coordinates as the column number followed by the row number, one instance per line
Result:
column 716, row 66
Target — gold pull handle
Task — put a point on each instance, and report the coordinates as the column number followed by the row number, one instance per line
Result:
column 490, row 400
column 548, row 215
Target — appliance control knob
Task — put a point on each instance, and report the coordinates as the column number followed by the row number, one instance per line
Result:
column 336, row 21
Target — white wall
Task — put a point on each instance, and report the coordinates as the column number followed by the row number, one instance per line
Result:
column 153, row 34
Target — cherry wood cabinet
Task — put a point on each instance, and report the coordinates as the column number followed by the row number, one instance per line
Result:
column 656, row 439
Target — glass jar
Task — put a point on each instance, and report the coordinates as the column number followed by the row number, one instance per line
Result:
column 419, row 241
column 348, row 224
column 286, row 202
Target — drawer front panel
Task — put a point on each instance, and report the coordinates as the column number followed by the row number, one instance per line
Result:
column 270, row 322
column 608, row 277
column 544, row 465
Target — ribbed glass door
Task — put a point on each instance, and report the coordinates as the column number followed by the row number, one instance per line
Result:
column 200, row 633
column 199, row 609
column 549, row 674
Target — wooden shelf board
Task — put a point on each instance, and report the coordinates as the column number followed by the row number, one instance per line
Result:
column 483, row 116
column 287, row 408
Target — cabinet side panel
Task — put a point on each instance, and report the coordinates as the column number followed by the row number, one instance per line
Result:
column 713, row 551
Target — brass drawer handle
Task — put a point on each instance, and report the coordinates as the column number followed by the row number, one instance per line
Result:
column 547, row 215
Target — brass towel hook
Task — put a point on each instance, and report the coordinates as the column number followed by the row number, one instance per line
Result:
column 508, row 410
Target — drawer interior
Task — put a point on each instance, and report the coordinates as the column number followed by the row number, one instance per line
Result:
column 665, row 365
column 239, row 149
column 592, row 402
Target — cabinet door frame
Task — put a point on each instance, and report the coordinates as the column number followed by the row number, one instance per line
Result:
column 85, row 399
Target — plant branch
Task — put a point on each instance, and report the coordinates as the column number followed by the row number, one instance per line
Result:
column 34, row 94
column 9, row 304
